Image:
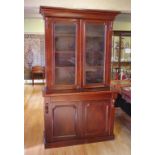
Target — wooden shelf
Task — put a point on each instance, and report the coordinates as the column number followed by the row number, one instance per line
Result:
column 91, row 51
column 114, row 61
column 64, row 67
column 94, row 36
column 121, row 62
column 64, row 35
column 125, row 61
column 94, row 66
column 65, row 51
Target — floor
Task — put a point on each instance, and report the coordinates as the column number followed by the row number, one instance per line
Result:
column 34, row 123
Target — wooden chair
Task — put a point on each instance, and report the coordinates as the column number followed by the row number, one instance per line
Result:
column 38, row 72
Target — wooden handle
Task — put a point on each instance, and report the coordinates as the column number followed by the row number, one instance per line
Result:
column 46, row 108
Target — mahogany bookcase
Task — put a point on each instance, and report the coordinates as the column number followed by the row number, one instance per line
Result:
column 78, row 101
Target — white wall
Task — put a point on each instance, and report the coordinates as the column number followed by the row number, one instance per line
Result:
column 122, row 25
column 32, row 25
column 120, row 5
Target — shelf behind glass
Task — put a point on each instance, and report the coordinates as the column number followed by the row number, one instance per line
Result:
column 94, row 76
column 64, row 59
column 64, row 35
column 94, row 44
column 94, row 58
column 65, row 75
column 65, row 43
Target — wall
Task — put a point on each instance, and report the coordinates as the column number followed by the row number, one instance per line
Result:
column 122, row 25
column 37, row 25
column 33, row 25
column 120, row 5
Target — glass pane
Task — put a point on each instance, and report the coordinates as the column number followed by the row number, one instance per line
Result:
column 115, row 57
column 64, row 75
column 126, row 49
column 65, row 53
column 125, row 71
column 94, row 60
column 115, row 49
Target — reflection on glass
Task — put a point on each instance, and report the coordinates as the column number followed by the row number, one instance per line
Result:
column 64, row 75
column 126, row 49
column 115, row 49
column 65, row 53
column 94, row 57
column 121, row 56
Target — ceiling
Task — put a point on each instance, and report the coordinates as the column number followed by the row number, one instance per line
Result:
column 31, row 8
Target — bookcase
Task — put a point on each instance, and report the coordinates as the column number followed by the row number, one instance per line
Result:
column 78, row 100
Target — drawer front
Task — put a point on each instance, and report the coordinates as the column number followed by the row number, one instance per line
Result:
column 82, row 96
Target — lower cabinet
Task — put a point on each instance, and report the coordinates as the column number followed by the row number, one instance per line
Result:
column 76, row 122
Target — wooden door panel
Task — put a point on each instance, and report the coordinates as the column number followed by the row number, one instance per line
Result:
column 96, row 115
column 64, row 120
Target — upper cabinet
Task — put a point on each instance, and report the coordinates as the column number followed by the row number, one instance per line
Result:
column 78, row 48
column 121, row 55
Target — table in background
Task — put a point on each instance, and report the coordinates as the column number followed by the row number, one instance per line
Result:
column 38, row 72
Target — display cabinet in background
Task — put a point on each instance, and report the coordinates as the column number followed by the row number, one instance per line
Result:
column 121, row 55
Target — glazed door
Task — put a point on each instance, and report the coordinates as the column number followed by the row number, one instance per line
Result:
column 94, row 54
column 121, row 55
column 63, row 120
column 96, row 118
column 65, row 51
column 125, row 58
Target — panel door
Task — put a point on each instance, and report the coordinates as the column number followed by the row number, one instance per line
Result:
column 94, row 50
column 64, row 121
column 96, row 118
